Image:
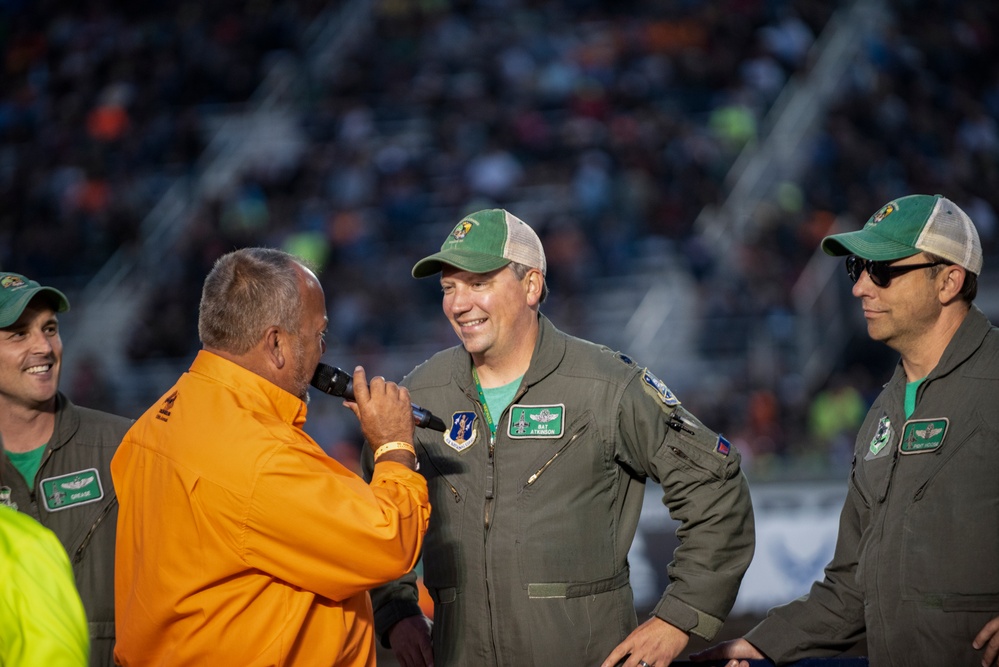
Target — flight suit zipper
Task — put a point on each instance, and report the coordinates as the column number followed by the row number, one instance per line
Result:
column 533, row 478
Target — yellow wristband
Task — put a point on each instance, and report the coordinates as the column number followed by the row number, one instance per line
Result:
column 389, row 446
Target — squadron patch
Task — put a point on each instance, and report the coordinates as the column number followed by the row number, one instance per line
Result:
column 923, row 435
column 536, row 421
column 660, row 389
column 76, row 488
column 462, row 434
column 5, row 498
column 882, row 437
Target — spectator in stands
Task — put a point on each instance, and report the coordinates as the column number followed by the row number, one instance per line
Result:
column 539, row 483
column 240, row 541
column 914, row 566
column 56, row 457
column 43, row 618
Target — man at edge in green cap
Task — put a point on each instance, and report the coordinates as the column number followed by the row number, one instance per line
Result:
column 538, row 483
column 56, row 457
column 916, row 565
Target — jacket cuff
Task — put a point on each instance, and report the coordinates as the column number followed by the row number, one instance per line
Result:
column 391, row 613
column 776, row 638
column 687, row 618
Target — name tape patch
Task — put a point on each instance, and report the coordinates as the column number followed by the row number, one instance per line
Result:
column 920, row 436
column 537, row 421
column 76, row 488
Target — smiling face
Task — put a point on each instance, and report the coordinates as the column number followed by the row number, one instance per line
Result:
column 494, row 314
column 31, row 358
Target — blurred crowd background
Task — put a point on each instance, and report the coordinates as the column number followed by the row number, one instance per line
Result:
column 681, row 160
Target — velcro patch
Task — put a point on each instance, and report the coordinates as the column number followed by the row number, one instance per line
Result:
column 537, row 421
column 882, row 436
column 76, row 488
column 923, row 435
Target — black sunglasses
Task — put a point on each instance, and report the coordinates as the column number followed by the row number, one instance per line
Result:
column 881, row 272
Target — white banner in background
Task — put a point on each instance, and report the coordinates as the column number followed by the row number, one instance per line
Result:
column 796, row 527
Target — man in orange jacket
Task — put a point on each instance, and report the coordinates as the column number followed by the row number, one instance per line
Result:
column 240, row 542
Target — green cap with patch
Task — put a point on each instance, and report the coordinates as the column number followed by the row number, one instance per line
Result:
column 906, row 226
column 485, row 241
column 17, row 291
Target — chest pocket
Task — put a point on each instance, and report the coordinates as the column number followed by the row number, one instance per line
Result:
column 564, row 513
column 449, row 500
column 950, row 532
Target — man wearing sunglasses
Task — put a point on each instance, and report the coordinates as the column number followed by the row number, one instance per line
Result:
column 915, row 566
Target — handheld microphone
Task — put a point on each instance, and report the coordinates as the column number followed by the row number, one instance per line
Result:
column 335, row 382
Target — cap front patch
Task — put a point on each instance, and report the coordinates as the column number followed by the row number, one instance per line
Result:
column 461, row 230
column 885, row 211
column 536, row 421
column 8, row 282
column 923, row 435
column 76, row 488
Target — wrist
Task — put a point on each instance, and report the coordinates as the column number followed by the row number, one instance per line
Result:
column 395, row 445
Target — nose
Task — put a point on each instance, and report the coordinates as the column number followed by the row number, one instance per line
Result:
column 864, row 285
column 41, row 342
column 456, row 301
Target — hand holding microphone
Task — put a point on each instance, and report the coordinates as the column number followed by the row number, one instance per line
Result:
column 335, row 382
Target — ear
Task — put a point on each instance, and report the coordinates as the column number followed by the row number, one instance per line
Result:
column 951, row 282
column 275, row 342
column 535, row 284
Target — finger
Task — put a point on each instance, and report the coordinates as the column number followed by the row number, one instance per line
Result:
column 615, row 657
column 428, row 653
column 361, row 392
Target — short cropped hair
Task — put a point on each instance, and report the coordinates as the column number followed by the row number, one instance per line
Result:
column 970, row 288
column 520, row 270
column 247, row 291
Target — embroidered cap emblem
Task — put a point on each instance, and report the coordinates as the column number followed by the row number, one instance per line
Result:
column 461, row 230
column 885, row 211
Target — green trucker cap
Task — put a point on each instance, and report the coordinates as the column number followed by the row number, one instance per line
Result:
column 485, row 241
column 906, row 226
column 16, row 291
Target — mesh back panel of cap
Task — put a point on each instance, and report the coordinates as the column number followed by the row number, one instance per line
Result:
column 523, row 245
column 951, row 235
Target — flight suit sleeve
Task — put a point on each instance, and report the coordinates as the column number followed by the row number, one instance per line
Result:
column 705, row 491
column 830, row 619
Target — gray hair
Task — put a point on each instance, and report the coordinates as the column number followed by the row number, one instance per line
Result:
column 520, row 270
column 247, row 291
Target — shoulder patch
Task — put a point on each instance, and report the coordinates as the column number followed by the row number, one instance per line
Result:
column 660, row 389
